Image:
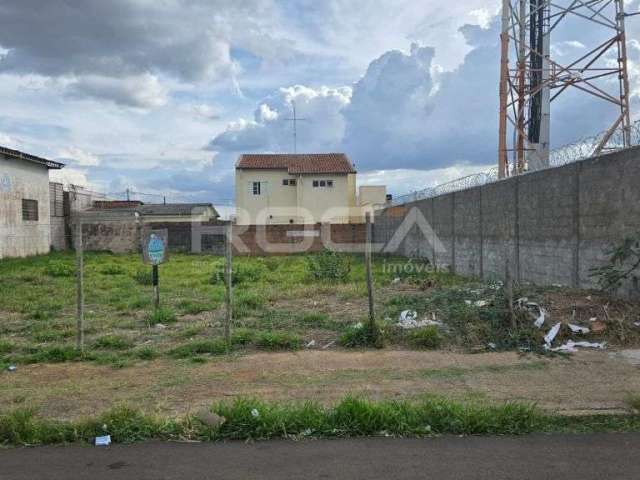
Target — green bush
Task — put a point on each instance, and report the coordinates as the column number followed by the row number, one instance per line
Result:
column 113, row 270
column 329, row 266
column 198, row 347
column 58, row 268
column 362, row 335
column 113, row 342
column 277, row 341
column 146, row 353
column 427, row 337
column 143, row 276
column 242, row 336
column 5, row 347
column 161, row 315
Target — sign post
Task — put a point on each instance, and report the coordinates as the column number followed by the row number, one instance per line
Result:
column 155, row 251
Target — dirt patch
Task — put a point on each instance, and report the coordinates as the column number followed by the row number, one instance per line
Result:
column 588, row 381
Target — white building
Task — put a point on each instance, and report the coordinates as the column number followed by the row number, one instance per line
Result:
column 25, row 227
column 299, row 189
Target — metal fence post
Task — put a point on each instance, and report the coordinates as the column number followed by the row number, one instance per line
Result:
column 79, row 286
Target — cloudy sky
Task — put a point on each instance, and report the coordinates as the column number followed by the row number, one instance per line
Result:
column 162, row 96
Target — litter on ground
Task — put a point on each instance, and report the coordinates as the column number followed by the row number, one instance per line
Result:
column 409, row 320
column 571, row 346
column 578, row 329
column 551, row 335
column 103, row 441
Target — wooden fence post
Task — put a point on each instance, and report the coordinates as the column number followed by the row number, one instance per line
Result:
column 80, row 286
column 367, row 259
column 228, row 275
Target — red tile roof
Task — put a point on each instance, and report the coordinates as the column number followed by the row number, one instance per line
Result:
column 298, row 163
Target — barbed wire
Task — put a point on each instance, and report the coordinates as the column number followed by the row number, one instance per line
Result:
column 570, row 153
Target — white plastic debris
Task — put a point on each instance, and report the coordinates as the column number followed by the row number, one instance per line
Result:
column 358, row 326
column 160, row 326
column 481, row 303
column 571, row 346
column 637, row 324
column 408, row 315
column 395, row 280
column 578, row 329
column 492, row 345
column 312, row 343
column 551, row 335
column 330, row 344
column 103, row 441
column 541, row 317
column 409, row 320
column 593, row 319
column 12, row 368
column 255, row 413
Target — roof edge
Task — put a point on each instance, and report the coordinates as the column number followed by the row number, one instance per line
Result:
column 50, row 164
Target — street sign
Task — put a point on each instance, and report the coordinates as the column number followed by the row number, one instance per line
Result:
column 155, row 249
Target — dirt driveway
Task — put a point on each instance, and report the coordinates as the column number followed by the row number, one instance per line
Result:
column 586, row 382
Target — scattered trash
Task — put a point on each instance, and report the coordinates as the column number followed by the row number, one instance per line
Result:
column 593, row 319
column 637, row 324
column 395, row 280
column 358, row 326
column 570, row 346
column 409, row 320
column 551, row 335
column 160, row 326
column 330, row 344
column 12, row 368
column 210, row 419
column 102, row 441
column 492, row 346
column 588, row 297
column 578, row 329
column 255, row 413
column 408, row 315
column 477, row 303
column 541, row 316
column 312, row 343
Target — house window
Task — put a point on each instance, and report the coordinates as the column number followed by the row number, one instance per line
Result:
column 256, row 188
column 292, row 182
column 285, row 182
column 29, row 210
column 315, row 183
column 323, row 183
column 330, row 183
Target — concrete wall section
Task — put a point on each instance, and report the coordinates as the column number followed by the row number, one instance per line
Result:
column 550, row 226
column 20, row 179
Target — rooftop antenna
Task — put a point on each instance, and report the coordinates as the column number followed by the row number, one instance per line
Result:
column 295, row 121
column 530, row 79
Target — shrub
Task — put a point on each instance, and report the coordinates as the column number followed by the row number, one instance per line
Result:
column 624, row 261
column 5, row 347
column 199, row 347
column 362, row 335
column 427, row 337
column 146, row 353
column 143, row 276
column 242, row 336
column 57, row 268
column 112, row 342
column 161, row 315
column 59, row 354
column 277, row 341
column 113, row 270
column 241, row 273
column 329, row 265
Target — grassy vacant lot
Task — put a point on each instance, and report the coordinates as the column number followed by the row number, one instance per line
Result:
column 294, row 335
column 280, row 303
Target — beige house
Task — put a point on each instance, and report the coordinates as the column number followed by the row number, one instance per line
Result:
column 296, row 189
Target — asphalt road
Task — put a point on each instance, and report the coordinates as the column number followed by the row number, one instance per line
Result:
column 567, row 457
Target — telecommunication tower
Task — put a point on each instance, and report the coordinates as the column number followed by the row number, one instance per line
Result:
column 530, row 78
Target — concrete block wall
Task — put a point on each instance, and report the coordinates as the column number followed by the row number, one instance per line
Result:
column 551, row 227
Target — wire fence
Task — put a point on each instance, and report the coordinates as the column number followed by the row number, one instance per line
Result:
column 570, row 153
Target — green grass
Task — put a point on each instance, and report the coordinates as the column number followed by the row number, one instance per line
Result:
column 361, row 335
column 112, row 342
column 425, row 338
column 162, row 315
column 248, row 419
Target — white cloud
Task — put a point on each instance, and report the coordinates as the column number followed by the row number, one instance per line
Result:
column 78, row 157
column 139, row 91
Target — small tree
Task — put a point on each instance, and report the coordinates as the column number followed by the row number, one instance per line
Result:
column 624, row 260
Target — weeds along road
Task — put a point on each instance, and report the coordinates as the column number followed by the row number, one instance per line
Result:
column 579, row 457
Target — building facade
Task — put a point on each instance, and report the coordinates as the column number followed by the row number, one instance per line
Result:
column 296, row 189
column 25, row 225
